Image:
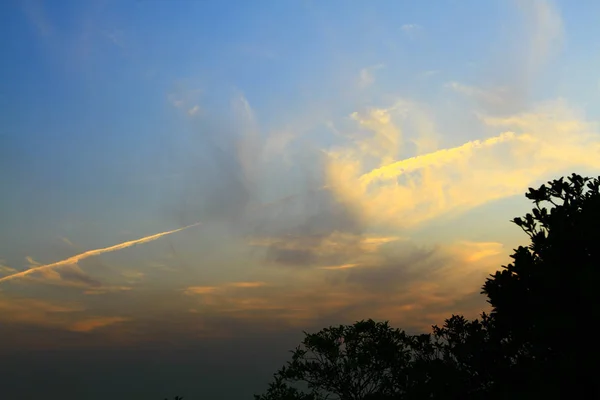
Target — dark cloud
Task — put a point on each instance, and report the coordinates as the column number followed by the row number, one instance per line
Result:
column 291, row 257
column 405, row 264
column 76, row 275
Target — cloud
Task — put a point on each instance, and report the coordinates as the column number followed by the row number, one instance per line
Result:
column 340, row 267
column 435, row 159
column 192, row 290
column 31, row 261
column 72, row 273
column 320, row 250
column 259, row 51
column 185, row 95
column 93, row 323
column 546, row 31
column 395, row 269
column 67, row 241
column 106, row 289
column 68, row 276
column 91, row 253
column 133, row 275
column 479, row 250
column 515, row 66
column 247, row 284
column 490, row 97
column 410, row 284
column 229, row 286
column 411, row 29
column 367, row 77
column 37, row 311
column 225, row 168
column 194, row 110
column 35, row 13
column 404, row 193
column 5, row 269
column 428, row 73
column 51, row 314
column 175, row 101
column 115, row 36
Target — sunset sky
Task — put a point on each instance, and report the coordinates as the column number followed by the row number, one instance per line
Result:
column 191, row 184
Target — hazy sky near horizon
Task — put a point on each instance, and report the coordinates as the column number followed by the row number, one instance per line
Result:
column 193, row 183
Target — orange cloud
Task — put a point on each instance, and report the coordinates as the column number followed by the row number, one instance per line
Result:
column 107, row 289
column 37, row 311
column 91, row 324
column 247, row 284
column 338, row 267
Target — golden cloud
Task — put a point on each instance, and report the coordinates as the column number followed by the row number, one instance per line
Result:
column 93, row 323
column 37, row 311
column 407, row 192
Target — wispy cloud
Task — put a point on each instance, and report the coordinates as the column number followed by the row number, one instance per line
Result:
column 481, row 250
column 37, row 16
column 411, row 29
column 185, row 95
column 517, row 66
column 91, row 253
column 194, row 110
column 67, row 241
column 93, row 323
column 247, row 284
column 495, row 96
column 5, row 269
column 107, row 289
column 546, row 31
column 196, row 290
column 116, row 37
column 31, row 261
column 367, row 75
column 37, row 311
column 340, row 267
column 321, row 250
column 428, row 73
column 259, row 51
column 421, row 282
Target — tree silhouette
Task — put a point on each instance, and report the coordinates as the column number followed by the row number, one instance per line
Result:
column 543, row 302
column 536, row 342
column 365, row 360
column 371, row 361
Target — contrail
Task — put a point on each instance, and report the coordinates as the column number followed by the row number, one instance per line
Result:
column 435, row 158
column 90, row 253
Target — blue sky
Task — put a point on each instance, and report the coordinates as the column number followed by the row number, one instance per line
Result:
column 362, row 159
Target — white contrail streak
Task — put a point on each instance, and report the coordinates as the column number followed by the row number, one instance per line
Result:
column 90, row 253
column 436, row 158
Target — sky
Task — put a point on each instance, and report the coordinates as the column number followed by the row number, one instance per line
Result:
column 186, row 186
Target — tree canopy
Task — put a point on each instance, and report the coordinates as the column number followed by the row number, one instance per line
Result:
column 536, row 341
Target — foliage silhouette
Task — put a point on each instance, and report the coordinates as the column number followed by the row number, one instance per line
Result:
column 354, row 361
column 543, row 301
column 370, row 360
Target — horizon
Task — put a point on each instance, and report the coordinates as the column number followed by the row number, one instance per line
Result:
column 187, row 186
